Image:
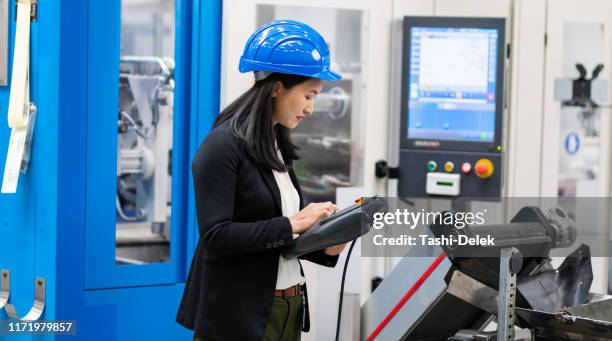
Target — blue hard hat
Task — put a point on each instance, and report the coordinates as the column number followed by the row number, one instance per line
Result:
column 288, row 46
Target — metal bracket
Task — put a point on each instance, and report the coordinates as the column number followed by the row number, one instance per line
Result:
column 510, row 263
column 5, row 287
column 39, row 303
column 384, row 170
column 473, row 292
column 33, row 10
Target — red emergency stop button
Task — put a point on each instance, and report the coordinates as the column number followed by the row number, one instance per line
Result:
column 484, row 168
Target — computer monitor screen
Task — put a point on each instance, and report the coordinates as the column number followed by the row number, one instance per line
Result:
column 452, row 83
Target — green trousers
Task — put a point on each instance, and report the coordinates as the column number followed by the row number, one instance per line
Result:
column 285, row 322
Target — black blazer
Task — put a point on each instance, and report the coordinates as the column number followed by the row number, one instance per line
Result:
column 229, row 291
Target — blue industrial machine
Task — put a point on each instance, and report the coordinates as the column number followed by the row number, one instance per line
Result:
column 101, row 228
column 452, row 107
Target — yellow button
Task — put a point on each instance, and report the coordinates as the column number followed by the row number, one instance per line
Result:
column 484, row 168
column 449, row 166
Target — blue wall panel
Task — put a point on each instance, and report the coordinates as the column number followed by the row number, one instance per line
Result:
column 206, row 66
column 142, row 313
column 70, row 239
column 18, row 218
column 28, row 218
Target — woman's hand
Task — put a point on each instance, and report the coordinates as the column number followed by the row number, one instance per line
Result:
column 335, row 250
column 310, row 215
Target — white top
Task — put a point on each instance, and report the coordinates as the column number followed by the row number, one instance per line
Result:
column 288, row 269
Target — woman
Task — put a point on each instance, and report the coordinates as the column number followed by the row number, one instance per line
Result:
column 248, row 201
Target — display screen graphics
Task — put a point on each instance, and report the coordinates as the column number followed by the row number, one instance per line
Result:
column 452, row 84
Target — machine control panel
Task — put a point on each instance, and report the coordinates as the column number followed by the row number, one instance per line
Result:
column 479, row 174
column 452, row 107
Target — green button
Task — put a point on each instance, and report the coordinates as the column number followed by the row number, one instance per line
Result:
column 431, row 166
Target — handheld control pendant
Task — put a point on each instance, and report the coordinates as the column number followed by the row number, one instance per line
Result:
column 340, row 227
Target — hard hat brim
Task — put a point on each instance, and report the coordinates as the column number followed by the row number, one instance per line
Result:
column 247, row 65
column 329, row 76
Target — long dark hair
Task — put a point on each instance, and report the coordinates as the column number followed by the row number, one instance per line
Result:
column 250, row 118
